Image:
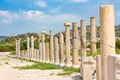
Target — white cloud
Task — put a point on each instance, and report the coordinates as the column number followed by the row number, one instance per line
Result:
column 79, row 1
column 40, row 3
column 7, row 16
column 32, row 20
column 55, row 10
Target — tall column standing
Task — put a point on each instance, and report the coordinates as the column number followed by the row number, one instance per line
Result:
column 61, row 47
column 83, row 38
column 47, row 53
column 107, row 36
column 51, row 47
column 67, row 42
column 56, row 51
column 75, row 45
column 32, row 47
column 43, row 46
column 28, row 47
column 92, row 35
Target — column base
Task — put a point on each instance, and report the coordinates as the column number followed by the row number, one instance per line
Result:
column 62, row 64
column 68, row 65
column 56, row 63
column 76, row 66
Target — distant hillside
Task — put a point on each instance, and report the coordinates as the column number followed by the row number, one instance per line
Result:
column 2, row 37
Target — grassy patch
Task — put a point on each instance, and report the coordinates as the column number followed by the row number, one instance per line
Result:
column 41, row 66
column 6, row 63
column 117, row 51
column 12, row 52
column 68, row 71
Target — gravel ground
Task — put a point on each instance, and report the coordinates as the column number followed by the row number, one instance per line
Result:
column 7, row 72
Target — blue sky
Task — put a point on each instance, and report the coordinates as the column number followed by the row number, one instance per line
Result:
column 22, row 16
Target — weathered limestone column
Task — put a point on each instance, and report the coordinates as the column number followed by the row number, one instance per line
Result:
column 28, row 47
column 51, row 48
column 92, row 35
column 107, row 36
column 83, row 38
column 47, row 53
column 56, row 51
column 40, row 51
column 38, row 55
column 75, row 45
column 43, row 46
column 61, row 47
column 88, row 69
column 32, row 47
column 67, row 42
column 113, row 67
column 98, row 68
column 18, row 48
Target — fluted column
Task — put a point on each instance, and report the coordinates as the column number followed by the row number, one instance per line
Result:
column 75, row 45
column 47, row 53
column 51, row 48
column 83, row 38
column 32, row 47
column 43, row 46
column 56, row 51
column 28, row 47
column 92, row 35
column 107, row 36
column 61, row 47
column 67, row 42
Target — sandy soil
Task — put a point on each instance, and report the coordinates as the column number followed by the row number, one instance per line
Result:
column 7, row 72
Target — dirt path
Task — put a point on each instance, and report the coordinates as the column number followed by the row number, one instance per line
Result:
column 7, row 72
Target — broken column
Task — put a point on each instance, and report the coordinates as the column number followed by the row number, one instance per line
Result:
column 113, row 68
column 107, row 37
column 56, row 51
column 75, row 45
column 98, row 67
column 51, row 48
column 83, row 38
column 67, row 42
column 32, row 47
column 43, row 46
column 47, row 53
column 92, row 35
column 61, row 47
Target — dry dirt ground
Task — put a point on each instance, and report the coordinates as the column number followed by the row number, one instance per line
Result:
column 7, row 72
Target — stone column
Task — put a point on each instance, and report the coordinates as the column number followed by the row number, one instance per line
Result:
column 32, row 47
column 83, row 38
column 51, row 47
column 40, row 51
column 61, row 47
column 43, row 46
column 17, row 48
column 47, row 53
column 75, row 45
column 67, row 42
column 92, row 35
column 56, row 51
column 113, row 62
column 28, row 47
column 107, row 36
column 98, row 68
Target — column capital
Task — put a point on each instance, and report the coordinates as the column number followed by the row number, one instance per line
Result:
column 43, row 32
column 67, row 24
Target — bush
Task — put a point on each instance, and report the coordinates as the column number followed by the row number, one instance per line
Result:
column 7, row 47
